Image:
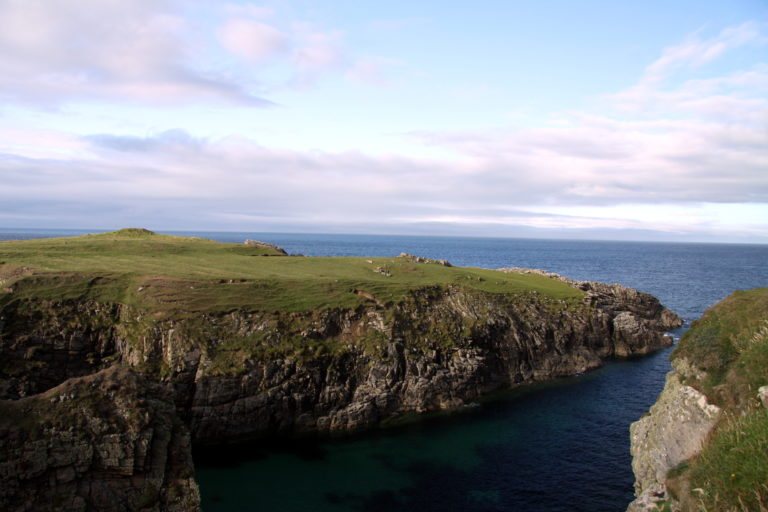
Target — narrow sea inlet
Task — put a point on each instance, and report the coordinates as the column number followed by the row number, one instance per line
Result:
column 557, row 446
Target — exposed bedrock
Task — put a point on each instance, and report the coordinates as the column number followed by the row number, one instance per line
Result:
column 110, row 441
column 256, row 373
column 702, row 445
column 673, row 431
column 439, row 351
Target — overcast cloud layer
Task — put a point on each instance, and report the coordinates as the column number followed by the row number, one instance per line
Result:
column 680, row 152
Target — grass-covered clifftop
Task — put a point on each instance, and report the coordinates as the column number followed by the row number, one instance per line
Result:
column 250, row 342
column 324, row 344
column 140, row 268
column 728, row 352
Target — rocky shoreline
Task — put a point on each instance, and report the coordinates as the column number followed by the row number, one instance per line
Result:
column 702, row 444
column 174, row 380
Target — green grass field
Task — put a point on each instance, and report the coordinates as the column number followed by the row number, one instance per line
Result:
column 141, row 268
column 730, row 343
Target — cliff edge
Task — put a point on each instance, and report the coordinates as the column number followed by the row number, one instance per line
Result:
column 704, row 443
column 138, row 345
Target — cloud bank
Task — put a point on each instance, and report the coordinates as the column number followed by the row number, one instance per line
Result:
column 155, row 52
column 670, row 140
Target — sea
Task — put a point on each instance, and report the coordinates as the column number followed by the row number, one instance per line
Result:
column 559, row 446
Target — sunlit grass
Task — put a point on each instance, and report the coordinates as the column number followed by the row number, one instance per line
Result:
column 730, row 342
column 169, row 272
column 731, row 473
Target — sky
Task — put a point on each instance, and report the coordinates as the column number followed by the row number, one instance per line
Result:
column 551, row 119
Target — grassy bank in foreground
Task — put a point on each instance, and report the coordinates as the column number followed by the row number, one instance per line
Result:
column 141, row 268
column 730, row 343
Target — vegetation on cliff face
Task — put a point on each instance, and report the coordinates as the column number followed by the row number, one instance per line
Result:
column 728, row 347
column 147, row 282
column 251, row 342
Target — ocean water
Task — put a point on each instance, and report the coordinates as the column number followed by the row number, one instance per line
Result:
column 561, row 446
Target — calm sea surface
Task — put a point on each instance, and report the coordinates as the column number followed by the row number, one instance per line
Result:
column 563, row 446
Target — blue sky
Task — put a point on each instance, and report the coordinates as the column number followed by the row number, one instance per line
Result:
column 591, row 119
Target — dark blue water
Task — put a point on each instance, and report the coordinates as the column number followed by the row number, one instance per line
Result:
column 563, row 446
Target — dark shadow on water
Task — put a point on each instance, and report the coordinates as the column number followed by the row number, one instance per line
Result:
column 315, row 447
column 556, row 446
column 234, row 454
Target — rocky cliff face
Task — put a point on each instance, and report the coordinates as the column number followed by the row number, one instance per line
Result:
column 440, row 350
column 258, row 373
column 674, row 431
column 109, row 441
column 702, row 445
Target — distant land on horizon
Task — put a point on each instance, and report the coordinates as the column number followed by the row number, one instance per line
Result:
column 442, row 230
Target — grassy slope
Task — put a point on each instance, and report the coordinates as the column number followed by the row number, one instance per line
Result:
column 730, row 342
column 168, row 272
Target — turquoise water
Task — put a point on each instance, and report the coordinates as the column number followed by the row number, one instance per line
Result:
column 563, row 446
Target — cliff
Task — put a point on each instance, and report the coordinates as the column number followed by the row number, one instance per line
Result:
column 246, row 373
column 109, row 441
column 704, row 443
column 242, row 347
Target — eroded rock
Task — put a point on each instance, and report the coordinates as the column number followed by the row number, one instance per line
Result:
column 110, row 441
column 241, row 374
column 673, row 431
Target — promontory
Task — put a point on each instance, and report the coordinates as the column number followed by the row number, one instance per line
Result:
column 120, row 350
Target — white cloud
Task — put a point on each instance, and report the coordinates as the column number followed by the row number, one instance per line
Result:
column 164, row 52
column 316, row 52
column 154, row 51
column 736, row 95
column 373, row 70
column 54, row 52
column 696, row 51
column 544, row 179
column 658, row 142
column 646, row 156
column 607, row 161
column 251, row 40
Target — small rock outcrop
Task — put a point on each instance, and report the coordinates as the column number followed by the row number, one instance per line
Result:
column 418, row 259
column 265, row 245
column 636, row 317
column 133, row 232
column 762, row 395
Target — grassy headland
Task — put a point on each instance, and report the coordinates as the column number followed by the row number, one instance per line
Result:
column 162, row 272
column 730, row 344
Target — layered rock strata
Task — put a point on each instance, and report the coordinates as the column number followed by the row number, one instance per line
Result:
column 258, row 373
column 673, row 431
column 110, row 441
